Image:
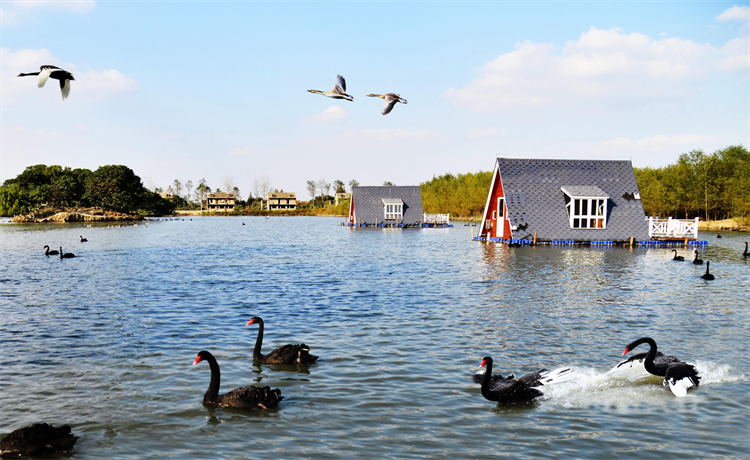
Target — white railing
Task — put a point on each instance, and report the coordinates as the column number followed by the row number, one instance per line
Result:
column 672, row 228
column 436, row 218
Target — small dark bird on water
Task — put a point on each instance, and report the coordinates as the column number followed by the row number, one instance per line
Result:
column 50, row 71
column 66, row 255
column 83, row 240
column 707, row 276
column 676, row 257
column 37, row 439
column 696, row 260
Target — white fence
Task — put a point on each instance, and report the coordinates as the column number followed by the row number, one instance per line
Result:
column 436, row 218
column 672, row 228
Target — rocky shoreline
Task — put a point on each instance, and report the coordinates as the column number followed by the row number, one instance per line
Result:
column 75, row 215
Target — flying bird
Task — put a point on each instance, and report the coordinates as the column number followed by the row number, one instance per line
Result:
column 389, row 100
column 50, row 71
column 338, row 91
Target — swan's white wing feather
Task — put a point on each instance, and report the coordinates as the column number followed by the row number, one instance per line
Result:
column 558, row 375
column 340, row 83
column 43, row 76
column 388, row 104
column 65, row 88
column 680, row 387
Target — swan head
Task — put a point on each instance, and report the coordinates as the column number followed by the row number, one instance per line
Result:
column 201, row 356
column 254, row 320
column 374, row 95
column 316, row 91
column 486, row 360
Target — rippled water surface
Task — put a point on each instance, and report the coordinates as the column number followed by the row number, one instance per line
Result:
column 401, row 318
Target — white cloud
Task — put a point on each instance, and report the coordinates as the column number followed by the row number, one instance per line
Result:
column 332, row 113
column 735, row 13
column 88, row 85
column 601, row 67
column 661, row 141
column 736, row 55
column 73, row 5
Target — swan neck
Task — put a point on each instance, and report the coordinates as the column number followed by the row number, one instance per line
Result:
column 258, row 341
column 487, row 378
column 213, row 387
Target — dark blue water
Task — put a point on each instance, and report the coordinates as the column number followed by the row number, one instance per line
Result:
column 105, row 342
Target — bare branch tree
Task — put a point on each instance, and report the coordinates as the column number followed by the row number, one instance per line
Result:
column 261, row 186
column 228, row 183
column 188, row 188
column 177, row 187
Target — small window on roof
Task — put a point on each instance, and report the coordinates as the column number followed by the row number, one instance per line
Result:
column 586, row 206
column 393, row 208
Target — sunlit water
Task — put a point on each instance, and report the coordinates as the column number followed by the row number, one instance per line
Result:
column 401, row 318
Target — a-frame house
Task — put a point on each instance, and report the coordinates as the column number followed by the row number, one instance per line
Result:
column 572, row 200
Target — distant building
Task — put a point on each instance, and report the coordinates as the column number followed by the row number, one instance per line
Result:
column 386, row 205
column 167, row 195
column 277, row 201
column 578, row 200
column 341, row 196
column 220, row 201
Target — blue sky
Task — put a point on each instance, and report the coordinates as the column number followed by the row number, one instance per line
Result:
column 218, row 90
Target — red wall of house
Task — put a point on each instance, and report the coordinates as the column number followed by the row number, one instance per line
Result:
column 497, row 192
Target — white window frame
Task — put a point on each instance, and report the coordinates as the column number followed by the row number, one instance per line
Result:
column 589, row 213
column 393, row 211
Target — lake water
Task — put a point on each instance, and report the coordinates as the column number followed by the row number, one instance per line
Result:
column 400, row 319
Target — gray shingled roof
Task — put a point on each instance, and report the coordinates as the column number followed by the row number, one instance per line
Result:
column 584, row 191
column 536, row 202
column 369, row 203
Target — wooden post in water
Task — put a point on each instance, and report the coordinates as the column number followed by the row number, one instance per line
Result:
column 472, row 233
column 376, row 221
column 631, row 241
column 534, row 238
column 686, row 240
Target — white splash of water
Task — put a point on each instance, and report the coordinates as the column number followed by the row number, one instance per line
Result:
column 628, row 385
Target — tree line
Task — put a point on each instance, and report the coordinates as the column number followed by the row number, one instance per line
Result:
column 115, row 187
column 710, row 186
column 462, row 195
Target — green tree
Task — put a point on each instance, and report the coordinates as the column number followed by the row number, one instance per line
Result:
column 116, row 187
column 339, row 186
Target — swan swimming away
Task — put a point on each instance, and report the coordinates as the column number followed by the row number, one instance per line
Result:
column 247, row 397
column 287, row 354
column 512, row 390
column 678, row 375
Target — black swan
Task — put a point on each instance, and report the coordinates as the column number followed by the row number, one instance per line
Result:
column 66, row 255
column 696, row 260
column 707, row 276
column 718, row 235
column 83, row 240
column 247, row 397
column 50, row 253
column 50, row 71
column 287, row 354
column 676, row 257
column 746, row 254
column 37, row 439
column 678, row 375
column 510, row 390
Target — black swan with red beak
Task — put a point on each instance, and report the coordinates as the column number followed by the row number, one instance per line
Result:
column 511, row 390
column 247, row 397
column 287, row 354
column 677, row 374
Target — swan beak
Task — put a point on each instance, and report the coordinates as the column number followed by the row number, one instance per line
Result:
column 249, row 322
column 197, row 360
column 483, row 363
column 625, row 352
